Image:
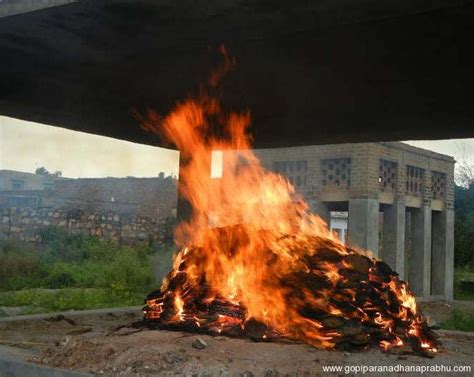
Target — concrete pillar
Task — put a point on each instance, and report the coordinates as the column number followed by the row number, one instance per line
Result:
column 408, row 245
column 184, row 207
column 443, row 254
column 321, row 209
column 420, row 258
column 394, row 237
column 363, row 224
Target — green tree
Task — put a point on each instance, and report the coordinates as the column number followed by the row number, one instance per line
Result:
column 42, row 171
column 464, row 207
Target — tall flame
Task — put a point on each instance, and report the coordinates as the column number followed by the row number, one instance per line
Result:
column 254, row 211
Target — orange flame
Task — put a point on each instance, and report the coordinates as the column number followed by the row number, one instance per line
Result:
column 253, row 211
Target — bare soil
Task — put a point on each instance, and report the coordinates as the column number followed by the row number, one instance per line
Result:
column 91, row 342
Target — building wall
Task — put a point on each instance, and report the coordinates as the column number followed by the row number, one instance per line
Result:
column 365, row 159
column 152, row 197
column 16, row 180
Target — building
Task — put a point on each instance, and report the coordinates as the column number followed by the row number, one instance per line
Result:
column 17, row 180
column 399, row 201
column 149, row 197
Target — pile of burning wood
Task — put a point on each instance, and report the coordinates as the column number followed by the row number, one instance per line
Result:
column 280, row 273
column 334, row 296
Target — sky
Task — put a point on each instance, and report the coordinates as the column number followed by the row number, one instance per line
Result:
column 26, row 146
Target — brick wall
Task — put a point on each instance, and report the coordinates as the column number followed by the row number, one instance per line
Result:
column 365, row 159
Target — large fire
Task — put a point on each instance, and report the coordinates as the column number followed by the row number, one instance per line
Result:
column 256, row 262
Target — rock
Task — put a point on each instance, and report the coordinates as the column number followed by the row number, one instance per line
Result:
column 271, row 373
column 247, row 373
column 199, row 344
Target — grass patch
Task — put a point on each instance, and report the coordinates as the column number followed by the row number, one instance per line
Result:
column 459, row 321
column 44, row 300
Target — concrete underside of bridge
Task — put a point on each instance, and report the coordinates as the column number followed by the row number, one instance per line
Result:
column 310, row 72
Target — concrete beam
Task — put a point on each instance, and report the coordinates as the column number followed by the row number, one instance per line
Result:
column 12, row 7
column 420, row 256
column 443, row 254
column 393, row 251
column 363, row 224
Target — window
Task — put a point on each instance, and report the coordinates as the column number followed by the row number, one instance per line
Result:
column 438, row 185
column 18, row 184
column 387, row 175
column 336, row 172
column 294, row 171
column 414, row 180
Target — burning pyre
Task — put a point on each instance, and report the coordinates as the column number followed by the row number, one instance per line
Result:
column 256, row 263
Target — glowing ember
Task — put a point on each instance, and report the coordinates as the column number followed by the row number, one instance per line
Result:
column 268, row 268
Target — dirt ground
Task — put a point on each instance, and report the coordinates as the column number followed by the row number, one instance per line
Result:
column 91, row 343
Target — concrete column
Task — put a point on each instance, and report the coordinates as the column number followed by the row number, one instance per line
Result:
column 408, row 245
column 363, row 224
column 321, row 209
column 443, row 254
column 420, row 261
column 394, row 237
column 184, row 207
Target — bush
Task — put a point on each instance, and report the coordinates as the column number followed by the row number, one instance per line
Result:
column 77, row 272
column 459, row 321
column 128, row 272
column 19, row 266
column 61, row 275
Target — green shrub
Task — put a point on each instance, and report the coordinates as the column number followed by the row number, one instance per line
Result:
column 70, row 271
column 61, row 275
column 127, row 273
column 19, row 266
column 462, row 291
column 459, row 321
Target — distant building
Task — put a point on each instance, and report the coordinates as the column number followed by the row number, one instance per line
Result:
column 153, row 197
column 17, row 180
column 150, row 197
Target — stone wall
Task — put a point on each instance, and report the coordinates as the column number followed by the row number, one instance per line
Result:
column 25, row 224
